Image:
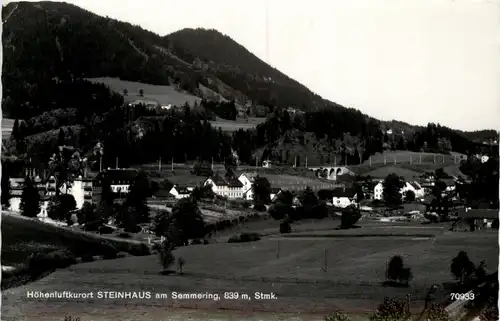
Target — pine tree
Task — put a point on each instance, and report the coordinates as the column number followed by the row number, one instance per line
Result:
column 30, row 199
column 5, row 187
column 61, row 137
column 15, row 130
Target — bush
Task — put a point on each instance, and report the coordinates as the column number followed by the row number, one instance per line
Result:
column 165, row 254
column 244, row 237
column 121, row 255
column 391, row 309
column 259, row 207
column 205, row 242
column 337, row 316
column 461, row 266
column 87, row 258
column 42, row 262
column 196, row 242
column 246, row 204
column 285, row 227
column 109, row 251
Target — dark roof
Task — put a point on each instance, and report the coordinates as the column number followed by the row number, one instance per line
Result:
column 428, row 199
column 414, row 185
column 182, row 190
column 478, row 213
column 221, row 181
column 343, row 192
column 126, row 174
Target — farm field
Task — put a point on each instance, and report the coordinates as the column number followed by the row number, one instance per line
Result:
column 234, row 125
column 7, row 125
column 408, row 157
column 351, row 282
column 162, row 94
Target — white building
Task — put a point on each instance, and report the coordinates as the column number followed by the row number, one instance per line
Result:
column 343, row 197
column 247, row 180
column 226, row 187
column 415, row 188
column 378, row 191
column 181, row 192
column 81, row 189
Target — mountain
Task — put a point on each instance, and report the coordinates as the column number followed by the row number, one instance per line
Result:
column 46, row 43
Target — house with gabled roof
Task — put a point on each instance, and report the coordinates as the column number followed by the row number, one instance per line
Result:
column 230, row 187
column 179, row 192
column 343, row 197
column 415, row 187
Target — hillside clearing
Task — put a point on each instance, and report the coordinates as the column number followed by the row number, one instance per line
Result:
column 234, row 125
column 162, row 94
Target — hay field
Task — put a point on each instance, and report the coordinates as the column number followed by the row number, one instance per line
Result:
column 351, row 282
column 234, row 125
column 163, row 94
column 408, row 157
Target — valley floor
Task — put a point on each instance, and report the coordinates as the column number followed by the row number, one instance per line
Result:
column 352, row 282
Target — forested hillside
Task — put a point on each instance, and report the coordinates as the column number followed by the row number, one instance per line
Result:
column 50, row 48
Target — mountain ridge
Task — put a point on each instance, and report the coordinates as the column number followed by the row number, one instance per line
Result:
column 64, row 37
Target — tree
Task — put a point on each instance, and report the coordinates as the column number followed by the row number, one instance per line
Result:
column 438, row 313
column 61, row 138
column 481, row 272
column 392, row 187
column 5, row 186
column 462, row 267
column 125, row 92
column 90, row 216
column 141, row 92
column 126, row 218
column 285, row 227
column 396, row 271
column 165, row 255
column 392, row 309
column 30, row 199
column 187, row 220
column 350, row 215
column 161, row 223
column 261, row 189
column 16, row 131
column 136, row 198
column 409, row 196
column 180, row 263
column 61, row 207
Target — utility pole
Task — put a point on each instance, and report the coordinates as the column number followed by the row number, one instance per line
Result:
column 325, row 267
column 306, row 161
column 116, row 163
column 420, row 158
column 385, row 160
column 370, row 161
column 395, row 160
column 100, row 164
column 335, row 160
column 278, row 252
column 410, row 159
column 172, row 164
column 159, row 165
column 212, row 166
column 295, row 161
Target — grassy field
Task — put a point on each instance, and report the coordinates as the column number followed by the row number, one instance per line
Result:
column 408, row 157
column 21, row 237
column 234, row 125
column 351, row 282
column 163, row 94
column 7, row 125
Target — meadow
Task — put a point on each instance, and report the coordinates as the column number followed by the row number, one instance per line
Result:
column 7, row 125
column 162, row 94
column 22, row 237
column 240, row 123
column 292, row 268
column 408, row 157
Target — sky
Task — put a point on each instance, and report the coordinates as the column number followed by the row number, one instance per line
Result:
column 417, row 61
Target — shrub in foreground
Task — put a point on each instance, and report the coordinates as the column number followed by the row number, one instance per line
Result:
column 244, row 237
column 42, row 262
column 337, row 316
column 165, row 255
column 391, row 309
column 285, row 227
